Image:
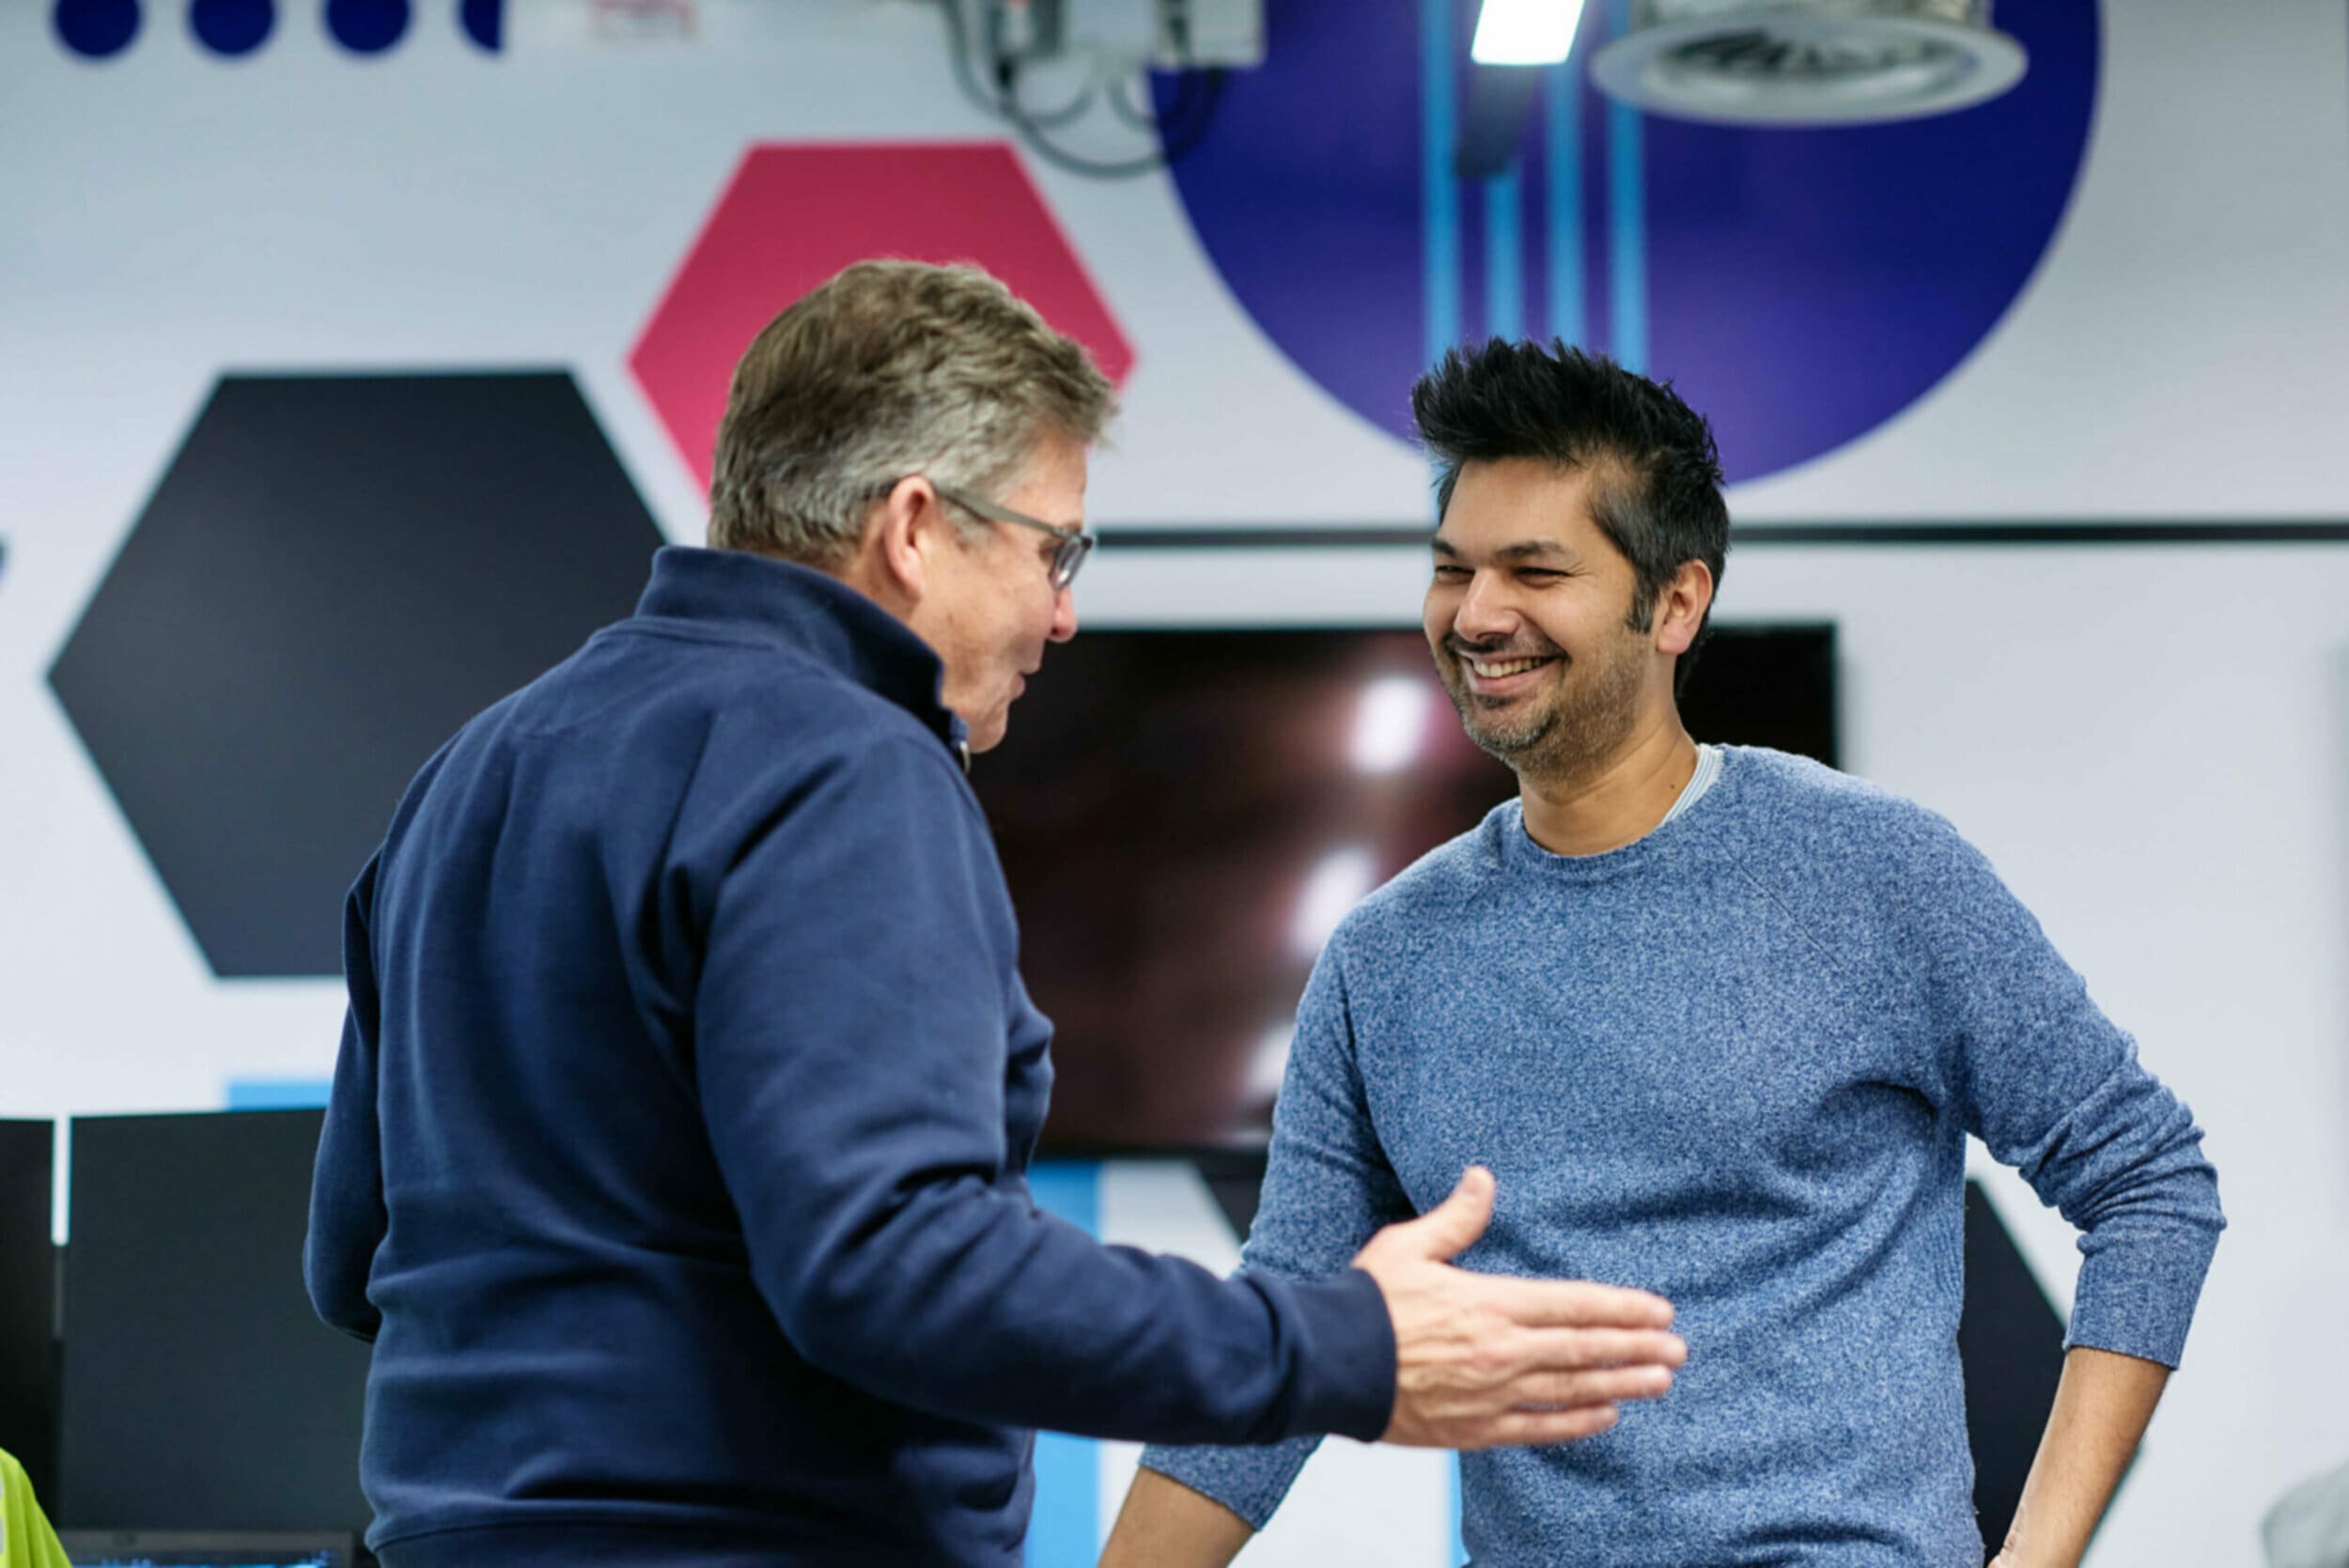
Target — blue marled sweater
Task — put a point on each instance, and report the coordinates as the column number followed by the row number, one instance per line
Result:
column 1736, row 1063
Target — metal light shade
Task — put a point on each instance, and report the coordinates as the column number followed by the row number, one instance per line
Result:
column 1808, row 62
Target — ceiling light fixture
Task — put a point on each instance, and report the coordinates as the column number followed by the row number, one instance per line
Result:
column 1525, row 32
column 1807, row 62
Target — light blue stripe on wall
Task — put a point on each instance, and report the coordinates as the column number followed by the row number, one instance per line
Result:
column 1460, row 1547
column 1504, row 255
column 1627, row 210
column 1066, row 1531
column 1440, row 192
column 277, row 1093
column 1561, row 154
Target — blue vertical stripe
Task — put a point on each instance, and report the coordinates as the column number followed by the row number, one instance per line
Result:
column 1504, row 255
column 1627, row 208
column 1452, row 1498
column 1440, row 192
column 1065, row 1530
column 1561, row 135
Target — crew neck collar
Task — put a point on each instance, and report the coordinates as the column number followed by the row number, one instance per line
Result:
column 1519, row 852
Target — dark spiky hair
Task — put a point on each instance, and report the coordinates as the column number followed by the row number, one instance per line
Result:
column 1659, row 490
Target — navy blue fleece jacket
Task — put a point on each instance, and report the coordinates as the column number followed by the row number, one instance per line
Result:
column 676, row 1162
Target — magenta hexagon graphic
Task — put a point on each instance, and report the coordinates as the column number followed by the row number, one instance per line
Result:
column 796, row 214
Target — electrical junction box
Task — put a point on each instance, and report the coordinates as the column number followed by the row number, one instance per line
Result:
column 1171, row 35
column 1222, row 33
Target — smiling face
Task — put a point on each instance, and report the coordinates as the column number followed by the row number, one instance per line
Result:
column 1528, row 615
column 990, row 606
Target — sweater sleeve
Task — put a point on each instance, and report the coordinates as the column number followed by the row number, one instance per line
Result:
column 2055, row 1090
column 1327, row 1188
column 850, row 1031
column 347, row 1217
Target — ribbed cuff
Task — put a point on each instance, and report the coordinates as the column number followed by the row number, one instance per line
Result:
column 1249, row 1482
column 2136, row 1297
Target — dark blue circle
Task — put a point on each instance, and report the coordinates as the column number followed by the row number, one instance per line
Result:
column 232, row 26
column 96, row 28
column 1800, row 286
column 484, row 21
column 366, row 26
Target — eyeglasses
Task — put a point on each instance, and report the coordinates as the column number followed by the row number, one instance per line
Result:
column 1075, row 543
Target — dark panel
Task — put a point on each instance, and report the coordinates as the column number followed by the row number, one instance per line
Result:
column 200, row 1392
column 2012, row 1343
column 335, row 572
column 1235, row 1179
column 1766, row 686
column 28, row 1361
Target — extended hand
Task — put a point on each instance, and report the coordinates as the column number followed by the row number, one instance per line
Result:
column 1483, row 1361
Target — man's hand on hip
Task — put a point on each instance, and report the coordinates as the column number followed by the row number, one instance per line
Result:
column 1483, row 1361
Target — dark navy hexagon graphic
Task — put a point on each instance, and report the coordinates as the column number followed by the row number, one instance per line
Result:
column 333, row 574
column 1800, row 286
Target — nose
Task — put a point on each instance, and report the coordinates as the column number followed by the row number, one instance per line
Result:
column 1484, row 613
column 1064, row 615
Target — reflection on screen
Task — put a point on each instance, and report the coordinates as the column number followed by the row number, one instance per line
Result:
column 1185, row 816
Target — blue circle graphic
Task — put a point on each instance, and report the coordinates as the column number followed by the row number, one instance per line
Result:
column 232, row 28
column 366, row 26
column 96, row 29
column 1800, row 287
column 484, row 21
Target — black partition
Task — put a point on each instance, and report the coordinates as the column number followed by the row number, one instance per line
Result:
column 199, row 1390
column 28, row 1361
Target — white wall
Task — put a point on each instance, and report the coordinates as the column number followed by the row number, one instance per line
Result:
column 2152, row 743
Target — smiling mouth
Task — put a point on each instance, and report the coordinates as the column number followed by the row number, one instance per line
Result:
column 1502, row 668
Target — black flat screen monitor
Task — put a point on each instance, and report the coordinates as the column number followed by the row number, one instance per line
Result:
column 136, row 1548
column 28, row 1371
column 200, row 1390
column 1183, row 814
column 203, row 1550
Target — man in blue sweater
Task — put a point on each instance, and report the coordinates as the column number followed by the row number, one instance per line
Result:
column 676, row 1158
column 1721, row 1021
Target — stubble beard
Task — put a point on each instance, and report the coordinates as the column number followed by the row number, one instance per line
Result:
column 1566, row 739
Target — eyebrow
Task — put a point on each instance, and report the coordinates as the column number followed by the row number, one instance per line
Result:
column 1526, row 550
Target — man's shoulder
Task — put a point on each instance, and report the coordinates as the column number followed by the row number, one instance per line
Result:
column 664, row 724
column 773, row 702
column 1845, row 855
column 1825, row 817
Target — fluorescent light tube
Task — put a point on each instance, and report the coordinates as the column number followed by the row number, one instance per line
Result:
column 1525, row 32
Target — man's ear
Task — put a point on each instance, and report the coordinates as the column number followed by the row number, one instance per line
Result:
column 891, row 563
column 1680, row 608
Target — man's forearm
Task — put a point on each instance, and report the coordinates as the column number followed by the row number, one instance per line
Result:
column 1165, row 1524
column 2102, row 1407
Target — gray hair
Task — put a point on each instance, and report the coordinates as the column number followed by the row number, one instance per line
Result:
column 889, row 368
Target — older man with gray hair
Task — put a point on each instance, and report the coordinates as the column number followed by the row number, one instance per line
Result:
column 676, row 1158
